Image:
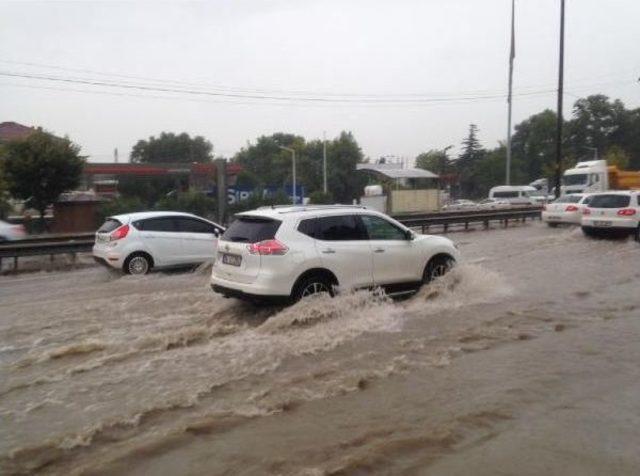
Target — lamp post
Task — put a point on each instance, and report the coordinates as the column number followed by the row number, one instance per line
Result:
column 293, row 160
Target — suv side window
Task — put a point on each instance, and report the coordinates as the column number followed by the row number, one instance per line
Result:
column 380, row 229
column 156, row 224
column 192, row 225
column 340, row 228
column 308, row 227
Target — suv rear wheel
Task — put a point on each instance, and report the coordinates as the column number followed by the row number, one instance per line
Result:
column 137, row 264
column 310, row 285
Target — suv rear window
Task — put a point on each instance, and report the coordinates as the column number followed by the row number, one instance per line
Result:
column 610, row 201
column 251, row 229
column 109, row 225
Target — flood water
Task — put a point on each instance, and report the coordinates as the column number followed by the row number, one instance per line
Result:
column 524, row 360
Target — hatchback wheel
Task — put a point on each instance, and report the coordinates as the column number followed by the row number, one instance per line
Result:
column 437, row 267
column 137, row 265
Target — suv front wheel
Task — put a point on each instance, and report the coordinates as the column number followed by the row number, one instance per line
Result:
column 437, row 266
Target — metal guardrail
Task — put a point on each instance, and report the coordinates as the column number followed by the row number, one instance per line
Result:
column 445, row 219
column 83, row 242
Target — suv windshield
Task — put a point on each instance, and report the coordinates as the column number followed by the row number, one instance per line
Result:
column 610, row 201
column 248, row 229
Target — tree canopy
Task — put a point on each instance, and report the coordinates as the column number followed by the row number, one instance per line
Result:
column 172, row 148
column 596, row 123
column 266, row 164
column 41, row 167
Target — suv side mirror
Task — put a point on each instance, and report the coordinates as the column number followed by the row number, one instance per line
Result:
column 408, row 235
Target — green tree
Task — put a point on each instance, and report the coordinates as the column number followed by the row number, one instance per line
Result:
column 436, row 161
column 5, row 206
column 617, row 156
column 472, row 153
column 533, row 147
column 40, row 167
column 172, row 148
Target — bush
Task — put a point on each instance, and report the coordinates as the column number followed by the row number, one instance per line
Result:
column 320, row 198
column 191, row 202
column 121, row 205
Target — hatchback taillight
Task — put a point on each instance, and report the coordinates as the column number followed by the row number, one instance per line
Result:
column 267, row 247
column 571, row 208
column 627, row 212
column 119, row 233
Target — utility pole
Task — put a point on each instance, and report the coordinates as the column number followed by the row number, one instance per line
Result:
column 560, row 97
column 324, row 162
column 293, row 159
column 512, row 56
column 221, row 185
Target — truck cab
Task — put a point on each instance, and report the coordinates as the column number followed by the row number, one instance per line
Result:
column 586, row 177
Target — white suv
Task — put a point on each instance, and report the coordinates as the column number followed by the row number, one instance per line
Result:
column 612, row 212
column 137, row 242
column 287, row 253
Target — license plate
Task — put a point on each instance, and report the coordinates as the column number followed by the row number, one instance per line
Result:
column 601, row 223
column 232, row 260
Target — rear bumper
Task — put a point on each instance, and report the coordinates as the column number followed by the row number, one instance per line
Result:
column 249, row 297
column 628, row 224
column 107, row 257
column 561, row 217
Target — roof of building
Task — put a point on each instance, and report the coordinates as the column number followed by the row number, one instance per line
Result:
column 396, row 173
column 12, row 131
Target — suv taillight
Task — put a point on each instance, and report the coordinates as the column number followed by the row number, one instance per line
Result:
column 571, row 208
column 626, row 212
column 119, row 233
column 267, row 247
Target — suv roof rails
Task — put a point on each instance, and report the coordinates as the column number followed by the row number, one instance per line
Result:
column 303, row 208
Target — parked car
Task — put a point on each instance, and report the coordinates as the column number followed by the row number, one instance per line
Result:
column 138, row 242
column 10, row 232
column 493, row 204
column 287, row 253
column 459, row 205
column 566, row 209
column 612, row 213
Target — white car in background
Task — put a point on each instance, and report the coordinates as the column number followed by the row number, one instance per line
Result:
column 567, row 209
column 287, row 253
column 493, row 204
column 460, row 205
column 137, row 242
column 612, row 213
column 10, row 232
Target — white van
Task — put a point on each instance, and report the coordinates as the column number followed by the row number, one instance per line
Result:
column 515, row 194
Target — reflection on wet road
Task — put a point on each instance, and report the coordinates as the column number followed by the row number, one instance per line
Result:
column 523, row 360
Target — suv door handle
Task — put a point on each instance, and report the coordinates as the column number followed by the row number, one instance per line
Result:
column 329, row 251
column 379, row 250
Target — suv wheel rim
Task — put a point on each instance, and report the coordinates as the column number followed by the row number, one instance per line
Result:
column 440, row 270
column 138, row 265
column 314, row 288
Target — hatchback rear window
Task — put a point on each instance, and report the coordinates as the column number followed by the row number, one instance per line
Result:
column 109, row 225
column 610, row 201
column 251, row 229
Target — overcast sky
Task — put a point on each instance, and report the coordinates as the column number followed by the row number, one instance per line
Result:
column 452, row 55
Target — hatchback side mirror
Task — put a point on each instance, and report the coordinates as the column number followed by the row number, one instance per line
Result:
column 408, row 235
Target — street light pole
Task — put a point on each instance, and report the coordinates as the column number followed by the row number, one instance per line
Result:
column 512, row 56
column 324, row 162
column 293, row 159
column 560, row 92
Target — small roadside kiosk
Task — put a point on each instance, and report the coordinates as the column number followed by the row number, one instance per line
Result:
column 400, row 190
